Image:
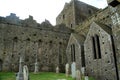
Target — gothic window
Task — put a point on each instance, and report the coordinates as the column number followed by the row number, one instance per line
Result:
column 63, row 16
column 82, row 57
column 94, row 50
column 71, row 54
column 71, row 25
column 96, row 47
column 73, row 59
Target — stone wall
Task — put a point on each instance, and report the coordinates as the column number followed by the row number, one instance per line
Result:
column 99, row 53
column 115, row 17
column 44, row 40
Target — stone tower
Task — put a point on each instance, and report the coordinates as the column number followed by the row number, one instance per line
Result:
column 75, row 13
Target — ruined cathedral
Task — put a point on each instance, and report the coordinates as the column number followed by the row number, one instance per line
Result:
column 83, row 34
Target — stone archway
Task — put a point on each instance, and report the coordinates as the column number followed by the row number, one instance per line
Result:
column 1, row 62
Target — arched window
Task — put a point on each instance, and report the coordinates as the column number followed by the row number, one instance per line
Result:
column 73, row 59
column 96, row 47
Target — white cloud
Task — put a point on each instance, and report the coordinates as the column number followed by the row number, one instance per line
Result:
column 39, row 9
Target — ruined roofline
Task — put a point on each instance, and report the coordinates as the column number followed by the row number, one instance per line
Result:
column 70, row 3
column 31, row 23
column 104, row 27
column 91, row 18
column 87, row 4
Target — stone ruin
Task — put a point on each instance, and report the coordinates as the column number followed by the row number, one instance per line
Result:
column 83, row 34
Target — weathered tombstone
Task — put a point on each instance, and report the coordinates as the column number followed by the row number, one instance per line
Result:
column 57, row 69
column 83, row 70
column 86, row 78
column 78, row 75
column 20, row 73
column 25, row 72
column 73, row 70
column 36, row 68
column 67, row 69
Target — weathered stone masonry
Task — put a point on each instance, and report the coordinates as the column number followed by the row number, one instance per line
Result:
column 83, row 34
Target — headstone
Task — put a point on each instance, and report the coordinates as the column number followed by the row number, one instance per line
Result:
column 83, row 70
column 86, row 78
column 36, row 68
column 57, row 69
column 67, row 69
column 25, row 72
column 73, row 70
column 78, row 75
column 20, row 73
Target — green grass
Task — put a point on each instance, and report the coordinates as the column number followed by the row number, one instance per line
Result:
column 39, row 76
column 48, row 76
column 7, row 76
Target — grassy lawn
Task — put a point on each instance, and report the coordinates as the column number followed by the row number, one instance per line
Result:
column 39, row 76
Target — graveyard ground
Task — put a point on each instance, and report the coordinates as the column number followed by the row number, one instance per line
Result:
column 39, row 76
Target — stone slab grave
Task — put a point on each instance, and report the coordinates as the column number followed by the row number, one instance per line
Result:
column 86, row 78
column 78, row 75
column 73, row 69
column 36, row 70
column 20, row 73
column 67, row 70
column 57, row 69
column 25, row 73
column 83, row 71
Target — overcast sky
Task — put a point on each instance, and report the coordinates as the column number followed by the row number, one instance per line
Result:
column 40, row 9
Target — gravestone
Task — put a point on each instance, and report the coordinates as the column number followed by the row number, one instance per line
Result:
column 20, row 73
column 57, row 69
column 67, row 69
column 78, row 75
column 36, row 68
column 73, row 69
column 86, row 78
column 83, row 71
column 25, row 73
